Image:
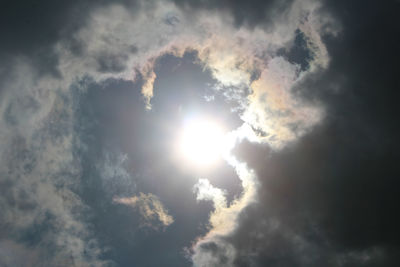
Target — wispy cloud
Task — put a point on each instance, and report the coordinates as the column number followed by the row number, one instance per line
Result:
column 39, row 171
column 152, row 211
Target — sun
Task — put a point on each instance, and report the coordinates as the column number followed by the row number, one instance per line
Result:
column 201, row 142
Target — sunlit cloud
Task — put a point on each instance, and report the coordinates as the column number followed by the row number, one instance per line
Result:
column 152, row 211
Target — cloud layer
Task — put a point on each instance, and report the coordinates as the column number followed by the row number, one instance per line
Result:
column 61, row 175
column 38, row 120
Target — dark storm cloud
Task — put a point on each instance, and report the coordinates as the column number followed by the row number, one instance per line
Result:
column 331, row 199
column 30, row 28
column 321, row 203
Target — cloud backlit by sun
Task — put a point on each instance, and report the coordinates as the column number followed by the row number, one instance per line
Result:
column 118, row 43
column 203, row 133
column 237, row 58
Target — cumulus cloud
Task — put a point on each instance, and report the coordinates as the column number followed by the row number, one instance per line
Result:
column 152, row 211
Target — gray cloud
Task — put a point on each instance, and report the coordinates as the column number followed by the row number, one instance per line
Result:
column 268, row 65
column 40, row 173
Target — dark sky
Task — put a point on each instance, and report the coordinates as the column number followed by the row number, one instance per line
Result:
column 94, row 96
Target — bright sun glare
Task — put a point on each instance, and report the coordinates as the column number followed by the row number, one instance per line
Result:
column 201, row 142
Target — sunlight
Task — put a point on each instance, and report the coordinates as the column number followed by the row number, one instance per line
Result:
column 201, row 142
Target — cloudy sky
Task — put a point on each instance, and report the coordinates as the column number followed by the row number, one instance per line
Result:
column 199, row 133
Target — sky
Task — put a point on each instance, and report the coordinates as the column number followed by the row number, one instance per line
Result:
column 199, row 133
